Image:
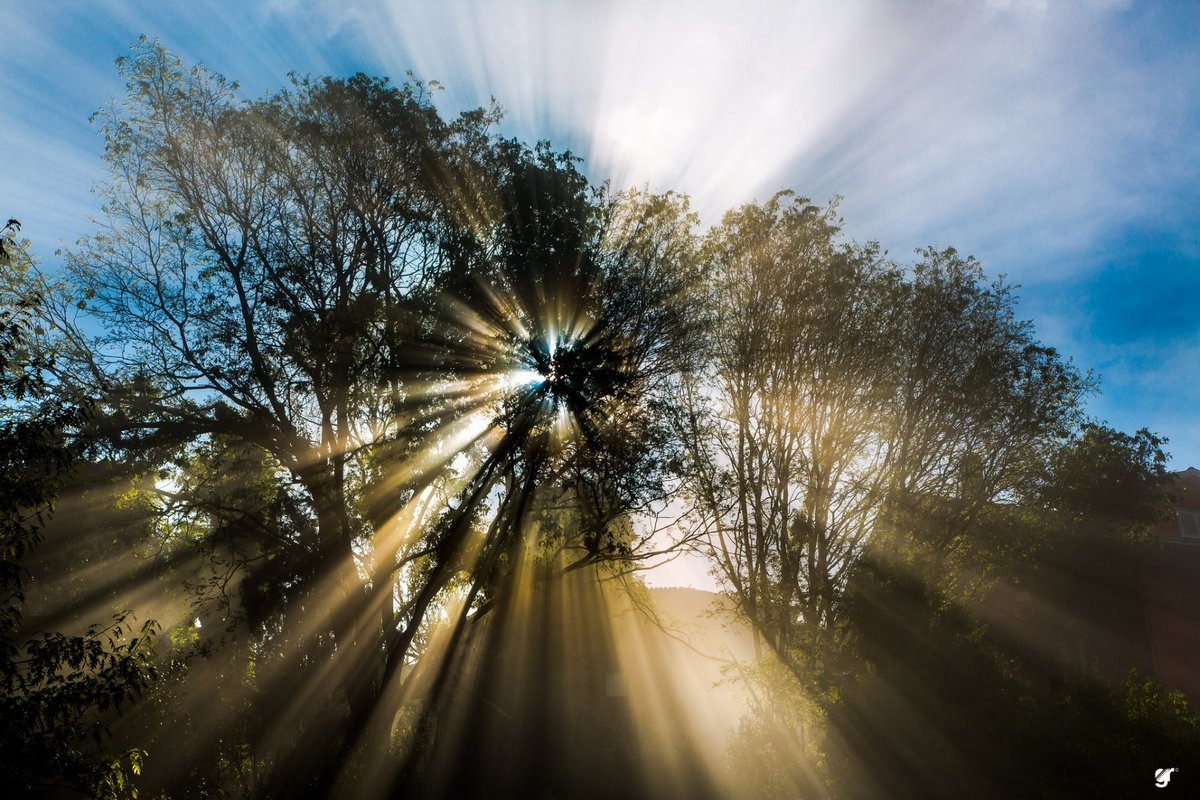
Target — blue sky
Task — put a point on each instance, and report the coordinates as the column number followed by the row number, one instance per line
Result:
column 1059, row 142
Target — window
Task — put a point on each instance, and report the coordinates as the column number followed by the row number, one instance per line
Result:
column 1189, row 524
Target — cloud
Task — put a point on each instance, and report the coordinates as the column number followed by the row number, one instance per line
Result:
column 982, row 124
column 1035, row 135
column 990, row 126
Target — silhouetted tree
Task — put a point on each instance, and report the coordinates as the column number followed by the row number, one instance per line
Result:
column 56, row 689
column 1112, row 482
column 787, row 429
column 359, row 339
column 869, row 451
column 366, row 367
column 7, row 235
column 846, row 402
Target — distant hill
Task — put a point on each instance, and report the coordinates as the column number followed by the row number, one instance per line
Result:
column 706, row 620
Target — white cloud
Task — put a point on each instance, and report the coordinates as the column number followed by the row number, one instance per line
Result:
column 1033, row 134
column 987, row 126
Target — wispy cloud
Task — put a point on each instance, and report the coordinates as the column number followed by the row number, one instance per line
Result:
column 994, row 125
column 1038, row 135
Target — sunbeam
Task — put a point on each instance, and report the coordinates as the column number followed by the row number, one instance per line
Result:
column 342, row 457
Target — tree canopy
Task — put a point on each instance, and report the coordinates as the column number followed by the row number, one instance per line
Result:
column 368, row 394
column 55, row 687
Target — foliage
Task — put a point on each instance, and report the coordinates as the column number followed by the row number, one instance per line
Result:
column 777, row 749
column 937, row 705
column 924, row 699
column 359, row 369
column 869, row 450
column 56, row 688
column 846, row 401
column 7, row 235
column 301, row 302
column 1114, row 478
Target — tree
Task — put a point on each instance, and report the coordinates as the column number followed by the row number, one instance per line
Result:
column 7, row 235
column 376, row 368
column 398, row 330
column 979, row 408
column 56, row 690
column 785, row 435
column 867, row 451
column 253, row 279
column 1116, row 482
column 933, row 703
column 847, row 402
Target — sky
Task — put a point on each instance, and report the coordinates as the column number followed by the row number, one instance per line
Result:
column 1058, row 142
